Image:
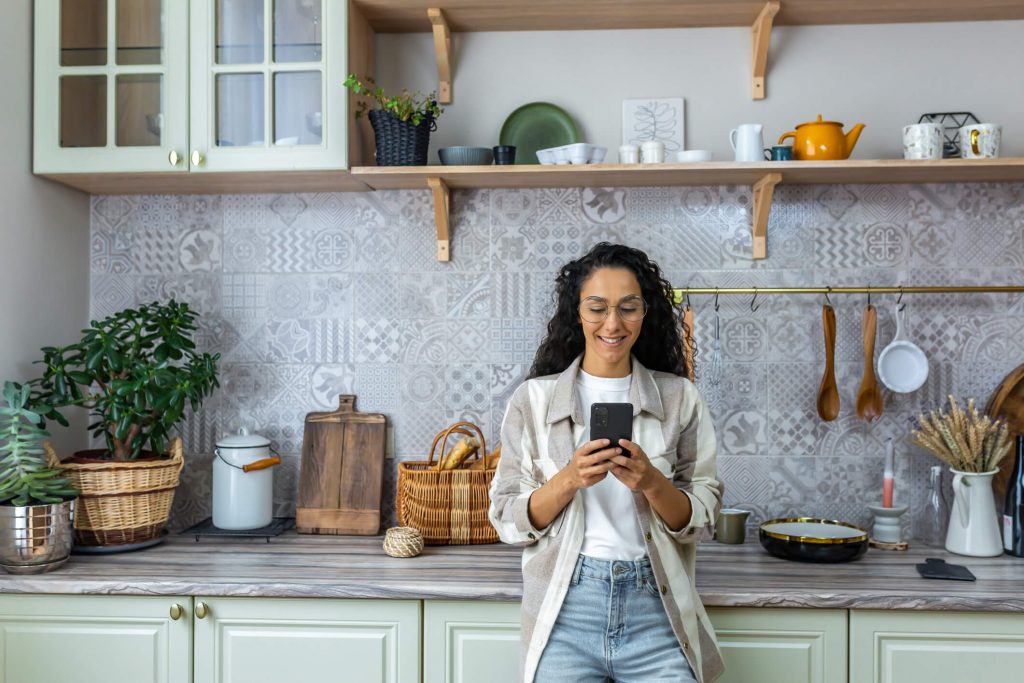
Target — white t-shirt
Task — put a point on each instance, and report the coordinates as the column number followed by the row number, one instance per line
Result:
column 612, row 531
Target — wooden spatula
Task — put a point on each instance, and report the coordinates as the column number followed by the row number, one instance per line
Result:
column 828, row 393
column 869, row 398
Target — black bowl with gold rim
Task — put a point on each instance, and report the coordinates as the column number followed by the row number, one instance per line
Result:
column 808, row 539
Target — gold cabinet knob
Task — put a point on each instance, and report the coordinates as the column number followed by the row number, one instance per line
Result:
column 174, row 157
column 176, row 611
column 197, row 158
column 201, row 610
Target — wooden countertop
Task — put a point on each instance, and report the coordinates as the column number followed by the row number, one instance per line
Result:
column 294, row 565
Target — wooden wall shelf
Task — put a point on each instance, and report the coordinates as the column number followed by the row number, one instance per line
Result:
column 410, row 16
column 212, row 183
column 761, row 177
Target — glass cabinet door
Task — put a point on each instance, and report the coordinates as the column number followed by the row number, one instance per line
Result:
column 266, row 78
column 110, row 82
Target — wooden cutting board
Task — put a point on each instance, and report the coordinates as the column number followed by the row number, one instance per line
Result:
column 341, row 472
column 1007, row 402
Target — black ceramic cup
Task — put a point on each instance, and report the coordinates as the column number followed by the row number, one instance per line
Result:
column 504, row 155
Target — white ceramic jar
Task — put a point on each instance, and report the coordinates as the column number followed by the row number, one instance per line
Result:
column 243, row 482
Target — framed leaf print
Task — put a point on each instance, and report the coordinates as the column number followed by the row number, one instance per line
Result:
column 654, row 119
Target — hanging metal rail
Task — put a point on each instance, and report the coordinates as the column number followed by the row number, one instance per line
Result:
column 681, row 292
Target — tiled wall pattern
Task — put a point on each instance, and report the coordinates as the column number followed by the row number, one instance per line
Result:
column 309, row 296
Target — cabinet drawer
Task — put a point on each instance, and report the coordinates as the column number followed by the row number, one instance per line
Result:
column 781, row 645
column 94, row 639
column 268, row 640
column 935, row 647
column 464, row 642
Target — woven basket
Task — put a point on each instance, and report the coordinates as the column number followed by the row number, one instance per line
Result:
column 123, row 502
column 449, row 507
column 400, row 143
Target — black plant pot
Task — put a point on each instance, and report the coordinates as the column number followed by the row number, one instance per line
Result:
column 400, row 143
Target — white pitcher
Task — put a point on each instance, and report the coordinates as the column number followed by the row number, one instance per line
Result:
column 973, row 526
column 747, row 142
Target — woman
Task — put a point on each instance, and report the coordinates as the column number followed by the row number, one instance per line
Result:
column 610, row 529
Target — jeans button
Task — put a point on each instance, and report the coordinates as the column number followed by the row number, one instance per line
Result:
column 619, row 570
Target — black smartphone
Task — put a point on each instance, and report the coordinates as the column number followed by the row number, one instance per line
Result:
column 612, row 421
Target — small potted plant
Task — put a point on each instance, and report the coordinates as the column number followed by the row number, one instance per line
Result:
column 401, row 123
column 36, row 500
column 136, row 371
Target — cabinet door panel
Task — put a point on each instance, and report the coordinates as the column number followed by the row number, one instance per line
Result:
column 110, row 86
column 781, row 645
column 935, row 647
column 264, row 640
column 101, row 638
column 265, row 88
column 465, row 642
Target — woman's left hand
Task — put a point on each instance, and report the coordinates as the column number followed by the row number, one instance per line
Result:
column 635, row 472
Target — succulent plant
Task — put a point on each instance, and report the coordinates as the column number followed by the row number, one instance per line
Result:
column 25, row 476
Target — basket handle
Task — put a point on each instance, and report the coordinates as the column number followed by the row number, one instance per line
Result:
column 458, row 428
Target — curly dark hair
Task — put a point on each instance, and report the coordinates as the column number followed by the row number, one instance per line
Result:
column 659, row 345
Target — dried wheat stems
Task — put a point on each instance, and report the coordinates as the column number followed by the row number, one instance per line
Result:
column 965, row 440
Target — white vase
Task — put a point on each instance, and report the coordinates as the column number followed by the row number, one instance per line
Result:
column 973, row 525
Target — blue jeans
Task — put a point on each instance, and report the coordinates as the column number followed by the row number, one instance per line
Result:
column 612, row 625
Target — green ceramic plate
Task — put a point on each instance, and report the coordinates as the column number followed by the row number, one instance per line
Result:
column 537, row 125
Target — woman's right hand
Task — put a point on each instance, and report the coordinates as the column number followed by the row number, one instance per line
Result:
column 590, row 464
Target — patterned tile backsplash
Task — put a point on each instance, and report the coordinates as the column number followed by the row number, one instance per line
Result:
column 309, row 296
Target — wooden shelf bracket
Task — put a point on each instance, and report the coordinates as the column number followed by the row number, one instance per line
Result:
column 443, row 53
column 442, row 204
column 763, row 190
column 761, row 34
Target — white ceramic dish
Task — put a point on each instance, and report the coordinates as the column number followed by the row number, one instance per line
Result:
column 691, row 156
column 576, row 153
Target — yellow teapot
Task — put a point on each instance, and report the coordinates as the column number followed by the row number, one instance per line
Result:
column 822, row 140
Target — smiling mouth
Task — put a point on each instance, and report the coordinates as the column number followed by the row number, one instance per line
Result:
column 612, row 341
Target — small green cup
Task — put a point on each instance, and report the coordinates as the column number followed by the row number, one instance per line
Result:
column 731, row 526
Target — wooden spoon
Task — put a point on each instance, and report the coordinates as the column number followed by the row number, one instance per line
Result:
column 869, row 398
column 828, row 393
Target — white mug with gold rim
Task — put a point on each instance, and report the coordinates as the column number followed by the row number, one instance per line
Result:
column 980, row 140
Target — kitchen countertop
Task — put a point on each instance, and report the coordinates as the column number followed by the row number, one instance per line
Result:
column 297, row 565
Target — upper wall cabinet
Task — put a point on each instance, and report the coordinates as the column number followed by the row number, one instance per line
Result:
column 197, row 86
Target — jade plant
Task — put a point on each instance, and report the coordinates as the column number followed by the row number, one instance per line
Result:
column 136, row 371
column 25, row 476
column 415, row 106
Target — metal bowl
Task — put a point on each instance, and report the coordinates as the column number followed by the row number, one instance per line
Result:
column 807, row 539
column 35, row 538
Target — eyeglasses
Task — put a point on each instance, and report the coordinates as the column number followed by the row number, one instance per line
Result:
column 632, row 309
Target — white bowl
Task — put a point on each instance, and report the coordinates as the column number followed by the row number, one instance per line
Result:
column 692, row 155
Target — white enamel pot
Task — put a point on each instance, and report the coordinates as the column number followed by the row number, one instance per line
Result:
column 243, row 482
column 902, row 365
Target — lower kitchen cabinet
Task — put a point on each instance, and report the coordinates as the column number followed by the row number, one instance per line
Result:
column 935, row 647
column 270, row 640
column 95, row 639
column 781, row 645
column 468, row 642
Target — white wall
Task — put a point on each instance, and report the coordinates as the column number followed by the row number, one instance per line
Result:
column 882, row 75
column 44, row 257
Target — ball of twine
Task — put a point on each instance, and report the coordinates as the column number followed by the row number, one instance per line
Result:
column 403, row 541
